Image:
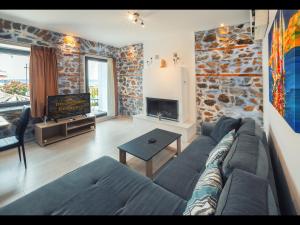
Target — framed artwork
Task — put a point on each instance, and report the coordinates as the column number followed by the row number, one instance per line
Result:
column 284, row 66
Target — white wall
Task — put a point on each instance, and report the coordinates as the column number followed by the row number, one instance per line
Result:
column 287, row 142
column 159, row 80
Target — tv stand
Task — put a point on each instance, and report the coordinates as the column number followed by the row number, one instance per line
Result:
column 53, row 131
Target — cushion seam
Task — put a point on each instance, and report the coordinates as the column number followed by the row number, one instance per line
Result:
column 257, row 141
column 230, row 157
column 268, row 208
column 224, row 206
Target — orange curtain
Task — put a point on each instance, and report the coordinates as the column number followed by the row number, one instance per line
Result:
column 43, row 78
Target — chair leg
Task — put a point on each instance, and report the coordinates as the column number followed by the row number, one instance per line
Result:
column 19, row 150
column 24, row 156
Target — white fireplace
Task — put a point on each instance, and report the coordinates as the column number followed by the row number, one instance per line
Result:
column 169, row 84
column 162, row 108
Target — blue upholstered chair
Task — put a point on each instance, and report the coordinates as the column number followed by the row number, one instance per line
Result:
column 18, row 139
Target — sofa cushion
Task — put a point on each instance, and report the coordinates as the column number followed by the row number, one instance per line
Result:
column 217, row 155
column 196, row 154
column 250, row 127
column 247, row 153
column 206, row 193
column 105, row 200
column 154, row 200
column 178, row 178
column 187, row 168
column 207, row 127
column 250, row 154
column 246, row 194
column 223, row 126
column 102, row 187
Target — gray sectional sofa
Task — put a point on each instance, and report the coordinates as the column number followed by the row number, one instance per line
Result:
column 107, row 187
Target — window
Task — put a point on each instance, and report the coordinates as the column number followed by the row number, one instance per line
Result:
column 14, row 75
column 96, row 84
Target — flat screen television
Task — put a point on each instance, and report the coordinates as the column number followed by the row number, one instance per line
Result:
column 62, row 106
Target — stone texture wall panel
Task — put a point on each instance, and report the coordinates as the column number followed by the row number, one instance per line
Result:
column 228, row 74
column 70, row 62
column 130, row 80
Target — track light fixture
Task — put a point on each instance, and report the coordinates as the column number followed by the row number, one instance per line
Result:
column 134, row 17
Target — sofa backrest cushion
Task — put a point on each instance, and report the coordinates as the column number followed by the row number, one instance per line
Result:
column 250, row 127
column 247, row 153
column 246, row 194
column 250, row 152
column 223, row 126
column 206, row 193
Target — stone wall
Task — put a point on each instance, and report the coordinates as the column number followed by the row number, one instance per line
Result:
column 228, row 74
column 92, row 48
column 67, row 64
column 68, row 55
column 130, row 80
column 70, row 60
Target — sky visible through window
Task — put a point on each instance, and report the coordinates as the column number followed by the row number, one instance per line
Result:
column 13, row 66
column 97, row 75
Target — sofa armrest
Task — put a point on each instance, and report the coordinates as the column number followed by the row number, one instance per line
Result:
column 206, row 128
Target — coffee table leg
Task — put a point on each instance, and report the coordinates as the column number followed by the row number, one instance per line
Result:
column 149, row 169
column 122, row 156
column 178, row 146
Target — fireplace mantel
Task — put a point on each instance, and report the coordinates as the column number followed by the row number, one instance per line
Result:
column 171, row 83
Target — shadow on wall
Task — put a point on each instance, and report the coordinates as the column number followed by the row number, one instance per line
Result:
column 284, row 195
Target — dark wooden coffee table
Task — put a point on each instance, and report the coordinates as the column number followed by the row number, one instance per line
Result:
column 140, row 148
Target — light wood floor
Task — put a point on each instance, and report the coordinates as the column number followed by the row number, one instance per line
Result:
column 45, row 164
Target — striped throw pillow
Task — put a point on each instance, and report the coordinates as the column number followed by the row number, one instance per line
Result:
column 217, row 155
column 206, row 193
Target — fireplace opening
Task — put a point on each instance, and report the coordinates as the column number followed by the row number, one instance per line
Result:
column 165, row 108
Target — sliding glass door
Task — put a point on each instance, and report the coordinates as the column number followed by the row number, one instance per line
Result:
column 96, row 72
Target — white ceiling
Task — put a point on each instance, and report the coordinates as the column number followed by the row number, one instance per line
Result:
column 113, row 27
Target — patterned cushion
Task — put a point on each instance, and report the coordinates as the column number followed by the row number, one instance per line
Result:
column 217, row 155
column 206, row 194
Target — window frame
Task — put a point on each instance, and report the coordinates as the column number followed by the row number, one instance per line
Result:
column 15, row 52
column 86, row 77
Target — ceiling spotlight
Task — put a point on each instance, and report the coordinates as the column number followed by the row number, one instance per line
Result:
column 130, row 16
column 135, row 18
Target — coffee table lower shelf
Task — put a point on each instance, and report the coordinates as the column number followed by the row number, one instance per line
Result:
column 149, row 164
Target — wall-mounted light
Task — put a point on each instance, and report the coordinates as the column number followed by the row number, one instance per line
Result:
column 175, row 58
column 223, row 29
column 149, row 62
column 135, row 17
column 130, row 16
column 70, row 41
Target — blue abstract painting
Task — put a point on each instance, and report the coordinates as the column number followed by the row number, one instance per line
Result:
column 284, row 66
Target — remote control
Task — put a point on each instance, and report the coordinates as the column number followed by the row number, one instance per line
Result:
column 151, row 140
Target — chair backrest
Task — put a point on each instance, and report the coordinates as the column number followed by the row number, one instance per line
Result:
column 22, row 123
